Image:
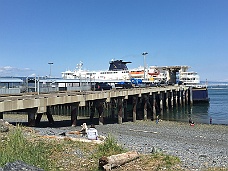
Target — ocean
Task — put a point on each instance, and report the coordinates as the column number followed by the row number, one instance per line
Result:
column 214, row 112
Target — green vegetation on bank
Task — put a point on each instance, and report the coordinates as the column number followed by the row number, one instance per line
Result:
column 110, row 147
column 16, row 147
column 54, row 154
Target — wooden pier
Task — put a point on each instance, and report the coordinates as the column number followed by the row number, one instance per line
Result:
column 144, row 103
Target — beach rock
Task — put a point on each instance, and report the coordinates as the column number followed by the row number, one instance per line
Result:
column 20, row 166
column 156, row 150
column 4, row 126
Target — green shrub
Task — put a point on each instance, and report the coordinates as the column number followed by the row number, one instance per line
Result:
column 110, row 147
column 17, row 147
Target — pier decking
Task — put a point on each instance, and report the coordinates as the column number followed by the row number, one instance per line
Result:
column 153, row 99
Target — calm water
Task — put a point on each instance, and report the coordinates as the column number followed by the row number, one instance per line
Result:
column 217, row 109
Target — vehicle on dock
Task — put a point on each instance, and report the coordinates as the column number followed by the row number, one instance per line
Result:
column 123, row 85
column 101, row 86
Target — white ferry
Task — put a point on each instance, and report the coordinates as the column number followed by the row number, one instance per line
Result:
column 118, row 70
column 189, row 78
column 192, row 79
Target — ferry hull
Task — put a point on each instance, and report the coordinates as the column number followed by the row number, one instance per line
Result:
column 200, row 95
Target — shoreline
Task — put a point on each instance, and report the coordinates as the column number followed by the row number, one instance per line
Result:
column 199, row 146
column 23, row 118
column 189, row 143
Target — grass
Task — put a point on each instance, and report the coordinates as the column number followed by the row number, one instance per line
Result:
column 164, row 161
column 110, row 147
column 16, row 147
column 53, row 154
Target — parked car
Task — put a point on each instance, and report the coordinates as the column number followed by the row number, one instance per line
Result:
column 122, row 85
column 101, row 86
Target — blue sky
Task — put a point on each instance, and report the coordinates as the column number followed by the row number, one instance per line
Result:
column 173, row 32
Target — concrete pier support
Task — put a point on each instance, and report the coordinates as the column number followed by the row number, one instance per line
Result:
column 176, row 98
column 74, row 114
column 145, row 97
column 154, row 105
column 134, row 105
column 38, row 118
column 120, row 110
column 100, row 109
column 31, row 117
column 125, row 110
column 161, row 102
column 61, row 109
column 92, row 112
column 190, row 95
column 184, row 97
column 167, row 100
column 113, row 106
column 171, row 99
column 187, row 96
column 180, row 96
column 49, row 115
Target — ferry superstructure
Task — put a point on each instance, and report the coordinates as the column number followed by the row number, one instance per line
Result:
column 189, row 78
column 192, row 79
column 118, row 70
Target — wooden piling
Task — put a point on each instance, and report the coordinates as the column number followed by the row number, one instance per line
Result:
column 176, row 98
column 187, row 96
column 92, row 112
column 180, row 96
column 184, row 96
column 161, row 102
column 38, row 118
column 190, row 95
column 167, row 100
column 145, row 107
column 125, row 110
column 49, row 115
column 74, row 113
column 100, row 109
column 120, row 111
column 171, row 99
column 31, row 116
column 134, row 104
column 154, row 105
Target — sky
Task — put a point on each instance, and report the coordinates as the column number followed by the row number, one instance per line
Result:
column 34, row 33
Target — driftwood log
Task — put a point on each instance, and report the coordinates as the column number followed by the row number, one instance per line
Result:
column 107, row 163
column 67, row 138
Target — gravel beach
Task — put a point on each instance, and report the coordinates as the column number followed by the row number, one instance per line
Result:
column 200, row 146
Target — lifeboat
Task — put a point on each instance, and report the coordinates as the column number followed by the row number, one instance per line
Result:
column 136, row 74
column 156, row 73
